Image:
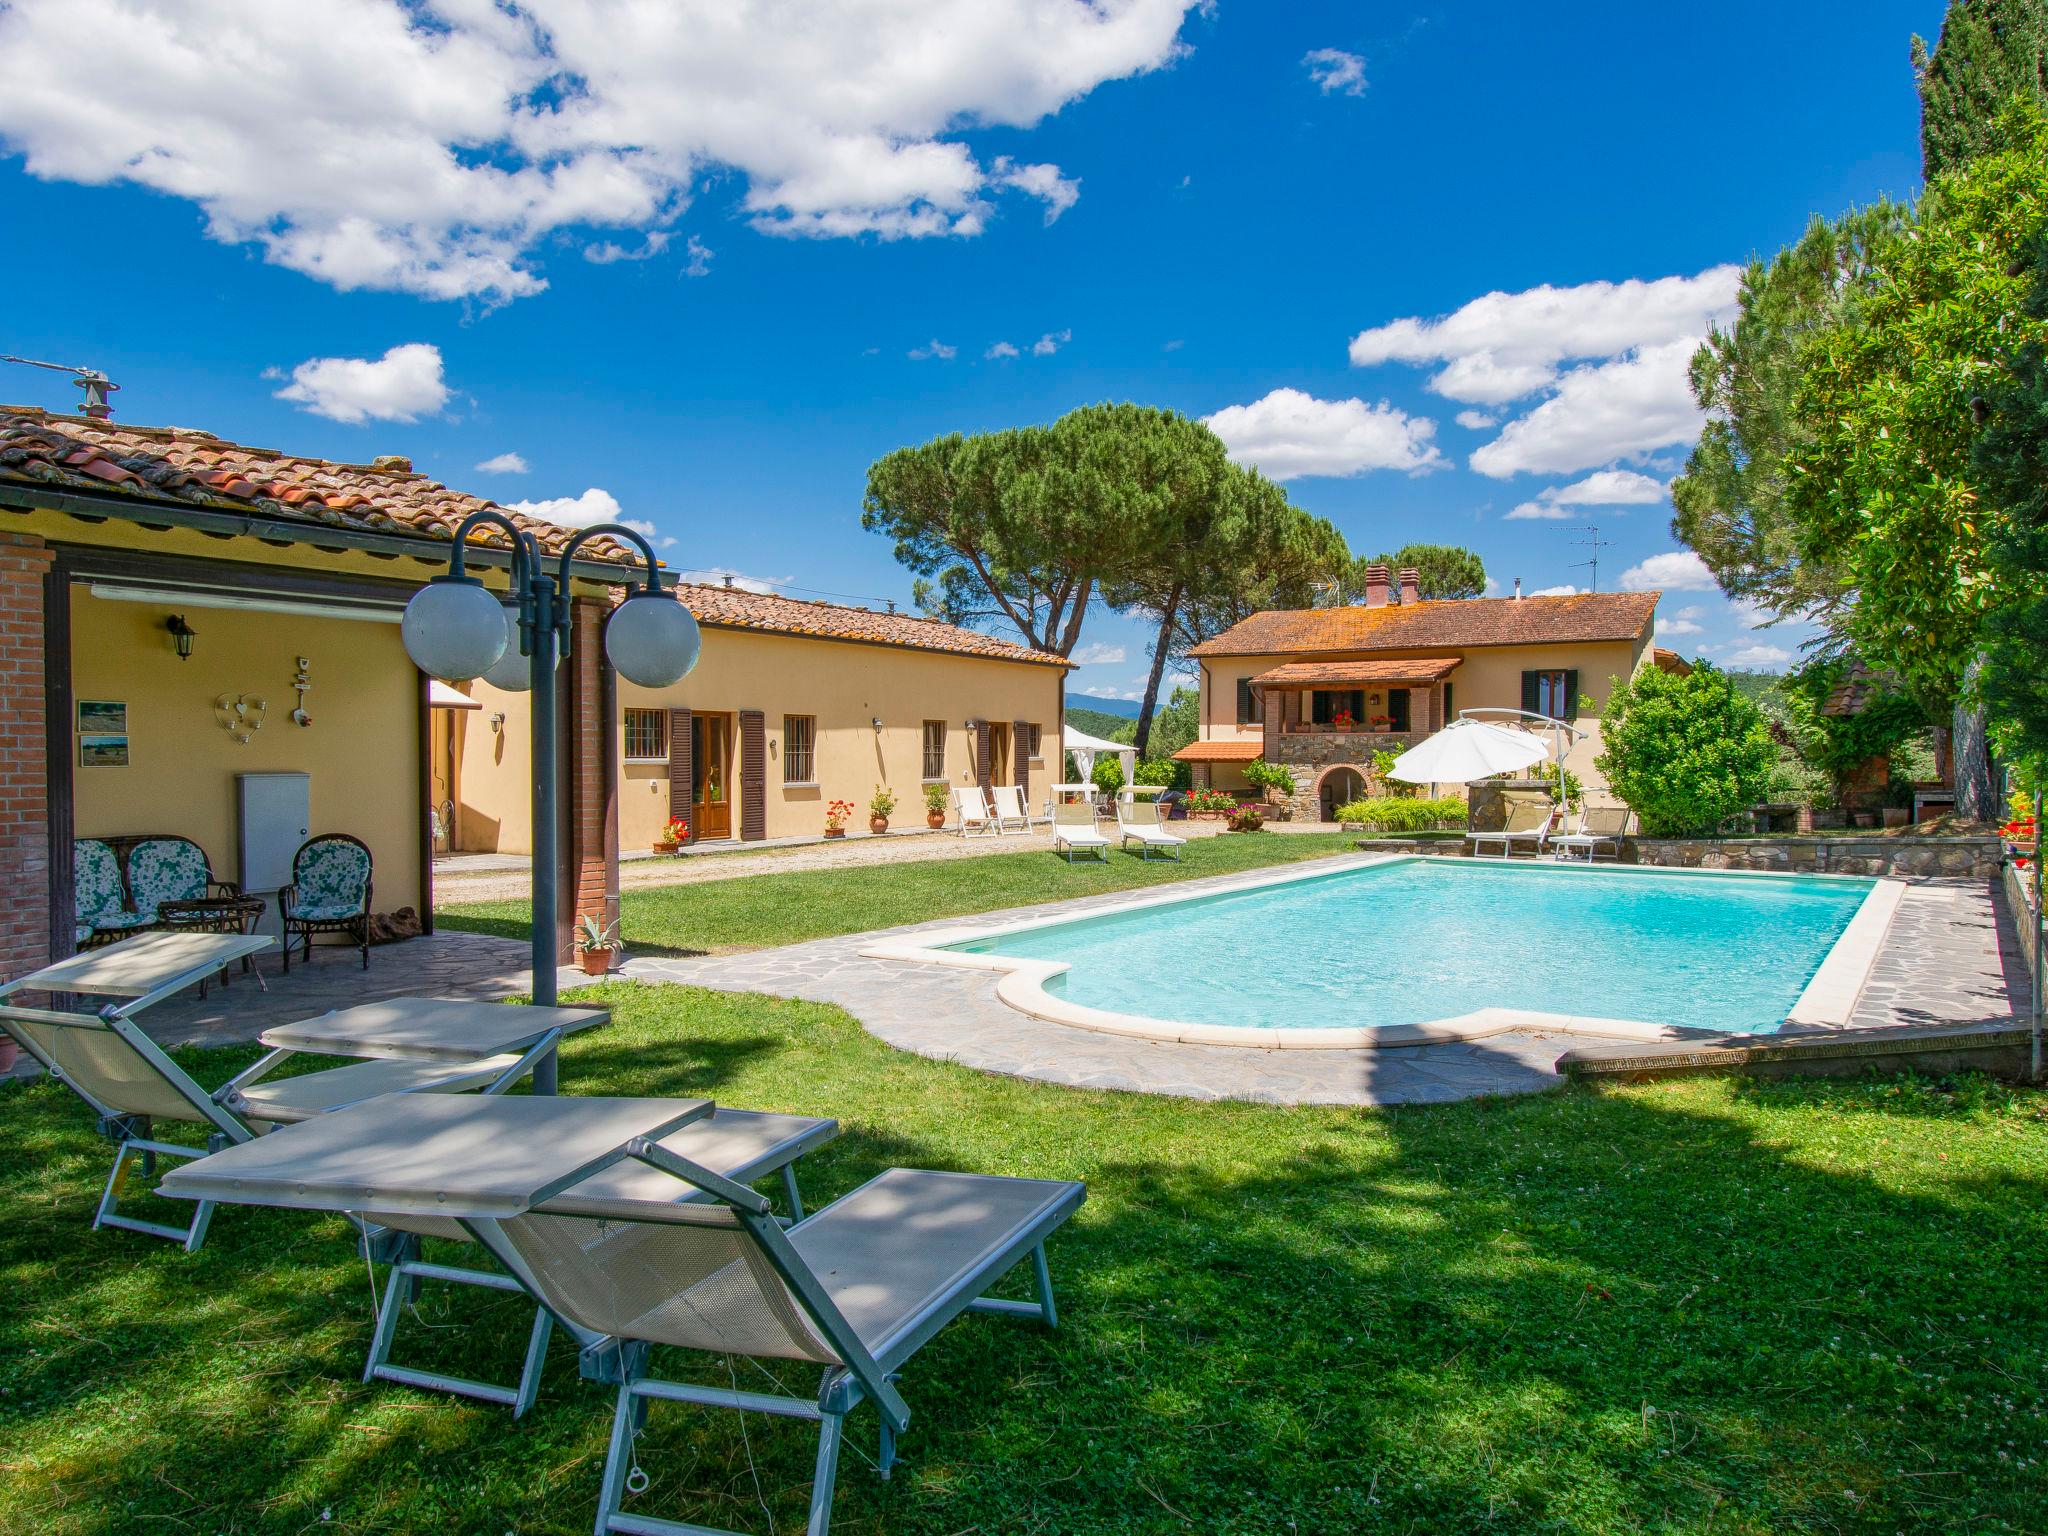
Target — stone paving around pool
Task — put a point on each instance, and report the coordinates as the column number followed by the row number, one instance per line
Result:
column 1949, row 960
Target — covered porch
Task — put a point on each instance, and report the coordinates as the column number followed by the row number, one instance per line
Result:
column 1323, row 721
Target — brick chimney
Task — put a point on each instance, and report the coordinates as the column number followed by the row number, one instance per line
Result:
column 1411, row 585
column 1375, row 586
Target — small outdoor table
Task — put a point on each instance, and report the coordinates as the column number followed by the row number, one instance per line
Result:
column 454, row 1155
column 438, row 1029
column 143, row 970
column 215, row 914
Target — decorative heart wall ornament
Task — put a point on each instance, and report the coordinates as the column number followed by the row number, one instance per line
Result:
column 240, row 715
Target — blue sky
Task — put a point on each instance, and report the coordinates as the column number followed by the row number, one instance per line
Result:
column 712, row 282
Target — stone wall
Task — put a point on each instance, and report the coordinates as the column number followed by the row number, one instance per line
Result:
column 1308, row 755
column 1974, row 858
column 2018, row 885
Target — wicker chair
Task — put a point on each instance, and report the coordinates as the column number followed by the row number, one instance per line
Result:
column 329, row 893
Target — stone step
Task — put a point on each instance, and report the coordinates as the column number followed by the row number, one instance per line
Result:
column 2002, row 1049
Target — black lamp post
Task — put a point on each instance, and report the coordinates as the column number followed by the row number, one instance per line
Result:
column 456, row 629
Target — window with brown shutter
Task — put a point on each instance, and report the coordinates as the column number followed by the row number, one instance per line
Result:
column 753, row 776
column 935, row 749
column 646, row 735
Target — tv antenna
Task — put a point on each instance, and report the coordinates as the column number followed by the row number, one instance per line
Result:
column 97, row 385
column 1593, row 544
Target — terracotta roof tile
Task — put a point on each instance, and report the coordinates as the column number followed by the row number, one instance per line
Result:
column 1307, row 674
column 181, row 466
column 737, row 608
column 1463, row 622
column 1218, row 752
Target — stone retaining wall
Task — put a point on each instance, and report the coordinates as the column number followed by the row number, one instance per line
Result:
column 2018, row 886
column 1972, row 858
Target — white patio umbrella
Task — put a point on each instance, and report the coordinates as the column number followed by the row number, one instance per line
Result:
column 1465, row 751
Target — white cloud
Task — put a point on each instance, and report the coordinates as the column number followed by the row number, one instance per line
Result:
column 503, row 464
column 1476, row 421
column 1626, row 397
column 430, row 146
column 1599, row 413
column 1050, row 343
column 1097, row 655
column 700, row 254
column 1679, row 571
column 605, row 252
column 1567, row 590
column 593, row 506
column 1335, row 71
column 1001, row 349
column 1511, row 344
column 1759, row 656
column 1679, row 623
column 1608, row 488
column 1044, row 182
column 402, row 385
column 1288, row 434
column 933, row 348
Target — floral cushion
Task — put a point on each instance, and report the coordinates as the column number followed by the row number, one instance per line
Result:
column 166, row 869
column 332, row 880
column 96, row 888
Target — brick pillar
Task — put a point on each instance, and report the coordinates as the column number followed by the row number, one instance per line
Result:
column 25, row 734
column 590, row 783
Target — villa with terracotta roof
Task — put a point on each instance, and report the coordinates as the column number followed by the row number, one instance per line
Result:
column 1320, row 690
column 793, row 704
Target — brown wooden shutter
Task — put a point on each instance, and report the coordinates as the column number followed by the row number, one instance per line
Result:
column 682, row 771
column 981, row 764
column 753, row 776
column 1020, row 750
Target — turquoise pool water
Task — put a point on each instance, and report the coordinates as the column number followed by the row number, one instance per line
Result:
column 1404, row 943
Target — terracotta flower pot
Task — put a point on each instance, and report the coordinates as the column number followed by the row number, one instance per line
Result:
column 596, row 961
column 665, row 847
column 935, row 819
column 878, row 825
column 835, row 831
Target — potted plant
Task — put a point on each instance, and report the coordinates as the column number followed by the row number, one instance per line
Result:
column 674, row 832
column 1341, row 721
column 1273, row 782
column 836, row 812
column 1246, row 818
column 935, row 805
column 596, row 943
column 880, row 804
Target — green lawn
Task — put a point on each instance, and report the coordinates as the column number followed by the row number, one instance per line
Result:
column 1696, row 1307
column 755, row 911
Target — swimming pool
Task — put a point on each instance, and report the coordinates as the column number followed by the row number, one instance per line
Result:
column 1394, row 950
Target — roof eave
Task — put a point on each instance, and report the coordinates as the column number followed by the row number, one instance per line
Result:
column 29, row 496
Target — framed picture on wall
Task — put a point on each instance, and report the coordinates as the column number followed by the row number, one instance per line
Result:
column 102, row 717
column 103, row 751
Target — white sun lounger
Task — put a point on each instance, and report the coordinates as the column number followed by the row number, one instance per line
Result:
column 1010, row 811
column 129, row 1083
column 1073, row 830
column 738, row 1144
column 1138, row 821
column 856, row 1289
column 975, row 815
column 1528, row 821
column 1600, row 827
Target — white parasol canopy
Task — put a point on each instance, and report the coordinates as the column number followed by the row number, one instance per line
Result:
column 1465, row 751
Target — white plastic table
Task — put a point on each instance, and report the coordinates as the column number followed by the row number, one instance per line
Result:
column 437, row 1029
column 453, row 1155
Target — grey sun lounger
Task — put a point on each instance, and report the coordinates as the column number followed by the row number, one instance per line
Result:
column 129, row 1083
column 738, row 1144
column 855, row 1290
column 1528, row 821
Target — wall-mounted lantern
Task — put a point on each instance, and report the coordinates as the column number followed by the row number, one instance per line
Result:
column 181, row 634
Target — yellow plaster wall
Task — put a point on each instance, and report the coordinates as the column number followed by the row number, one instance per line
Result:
column 844, row 686
column 361, row 751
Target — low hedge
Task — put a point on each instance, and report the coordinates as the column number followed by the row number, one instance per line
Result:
column 1405, row 814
